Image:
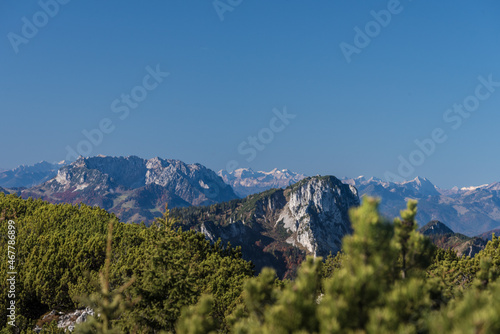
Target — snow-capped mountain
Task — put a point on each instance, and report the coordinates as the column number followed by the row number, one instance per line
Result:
column 29, row 175
column 469, row 210
column 421, row 185
column 246, row 181
column 135, row 189
column 493, row 187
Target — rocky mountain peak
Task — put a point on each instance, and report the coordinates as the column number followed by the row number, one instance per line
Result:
column 308, row 218
column 422, row 186
column 317, row 213
column 133, row 188
column 435, row 227
column 443, row 237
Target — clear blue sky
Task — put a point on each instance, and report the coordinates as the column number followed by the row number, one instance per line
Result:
column 227, row 76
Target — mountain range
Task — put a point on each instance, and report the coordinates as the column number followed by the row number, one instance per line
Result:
column 26, row 176
column 470, row 211
column 245, row 181
column 277, row 217
column 277, row 227
column 7, row 191
column 136, row 189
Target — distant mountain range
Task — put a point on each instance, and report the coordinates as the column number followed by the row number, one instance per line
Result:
column 277, row 227
column 469, row 211
column 283, row 217
column 26, row 176
column 247, row 182
column 136, row 189
column 133, row 188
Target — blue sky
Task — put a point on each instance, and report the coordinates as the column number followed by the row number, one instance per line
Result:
column 227, row 76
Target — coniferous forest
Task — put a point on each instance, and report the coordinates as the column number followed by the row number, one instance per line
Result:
column 160, row 279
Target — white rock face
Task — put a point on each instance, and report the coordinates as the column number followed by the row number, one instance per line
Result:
column 192, row 182
column 62, row 177
column 312, row 213
column 317, row 214
column 81, row 186
column 67, row 321
column 70, row 320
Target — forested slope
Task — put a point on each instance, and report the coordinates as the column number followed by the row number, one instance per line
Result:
column 61, row 248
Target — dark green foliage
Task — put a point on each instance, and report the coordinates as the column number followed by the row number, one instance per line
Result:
column 268, row 308
column 55, row 246
column 218, row 213
column 108, row 305
column 388, row 279
column 62, row 248
column 332, row 264
column 476, row 309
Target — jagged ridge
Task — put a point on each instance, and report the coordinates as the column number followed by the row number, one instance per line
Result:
column 133, row 188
